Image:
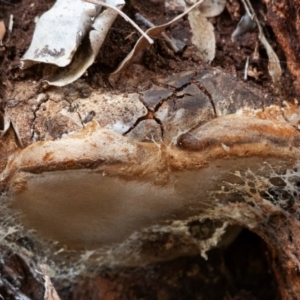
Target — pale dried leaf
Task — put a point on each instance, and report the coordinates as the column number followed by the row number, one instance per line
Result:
column 113, row 6
column 274, row 64
column 175, row 5
column 142, row 44
column 212, row 8
column 203, row 35
column 88, row 50
column 245, row 24
column 66, row 24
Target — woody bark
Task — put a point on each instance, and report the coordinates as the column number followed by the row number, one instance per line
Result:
column 284, row 18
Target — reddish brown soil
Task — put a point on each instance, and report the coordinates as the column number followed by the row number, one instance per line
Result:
column 241, row 271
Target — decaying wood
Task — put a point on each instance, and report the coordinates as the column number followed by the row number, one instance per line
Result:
column 206, row 146
column 177, row 166
column 284, row 18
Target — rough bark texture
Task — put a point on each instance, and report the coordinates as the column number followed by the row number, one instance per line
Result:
column 284, row 18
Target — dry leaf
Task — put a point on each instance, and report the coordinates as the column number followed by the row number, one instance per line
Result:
column 66, row 24
column 274, row 64
column 203, row 35
column 175, row 6
column 245, row 24
column 88, row 50
column 212, row 8
column 142, row 44
column 78, row 32
column 202, row 30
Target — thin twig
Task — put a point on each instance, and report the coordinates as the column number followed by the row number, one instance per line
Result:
column 11, row 23
column 10, row 26
column 250, row 11
column 100, row 3
column 147, row 23
column 274, row 64
column 246, row 69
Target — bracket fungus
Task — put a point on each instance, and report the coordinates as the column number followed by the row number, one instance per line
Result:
column 226, row 154
column 127, row 160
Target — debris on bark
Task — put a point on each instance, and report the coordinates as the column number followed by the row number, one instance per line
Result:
column 273, row 64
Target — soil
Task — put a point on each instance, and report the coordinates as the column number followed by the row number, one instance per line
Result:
column 242, row 271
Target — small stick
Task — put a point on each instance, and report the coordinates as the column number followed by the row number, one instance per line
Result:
column 10, row 26
column 246, row 69
column 148, row 24
column 274, row 67
column 100, row 3
column 11, row 23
